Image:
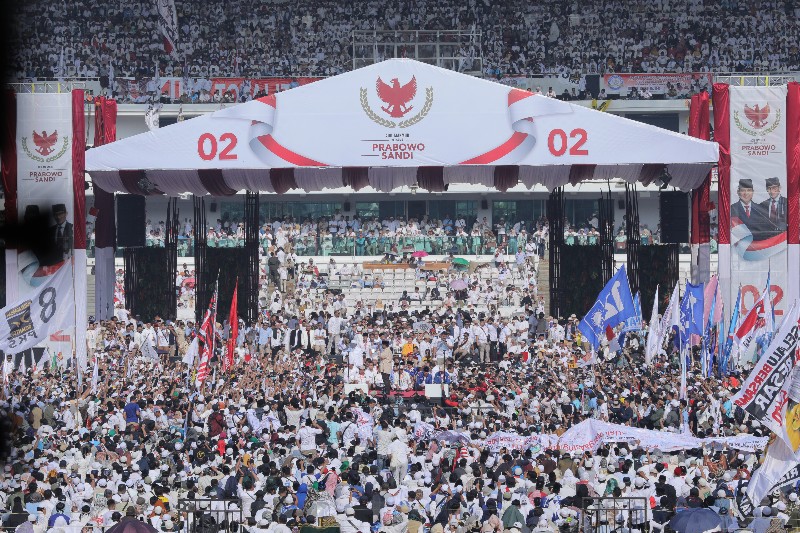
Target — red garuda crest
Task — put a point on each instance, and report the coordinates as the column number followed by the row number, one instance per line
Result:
column 757, row 116
column 397, row 96
column 397, row 99
column 44, row 142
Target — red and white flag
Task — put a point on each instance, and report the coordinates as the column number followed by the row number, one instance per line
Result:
column 206, row 336
column 746, row 331
column 168, row 25
column 233, row 323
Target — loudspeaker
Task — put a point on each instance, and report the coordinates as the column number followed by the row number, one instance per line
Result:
column 674, row 217
column 130, row 221
column 346, row 206
column 213, row 207
column 484, row 204
column 621, row 204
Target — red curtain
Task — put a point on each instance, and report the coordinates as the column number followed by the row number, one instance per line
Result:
column 699, row 127
column 505, row 177
column 79, row 168
column 431, row 178
column 722, row 134
column 793, row 161
column 105, row 131
column 9, row 163
column 355, row 177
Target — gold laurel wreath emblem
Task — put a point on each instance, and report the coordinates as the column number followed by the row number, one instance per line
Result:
column 426, row 108
column 42, row 159
column 755, row 133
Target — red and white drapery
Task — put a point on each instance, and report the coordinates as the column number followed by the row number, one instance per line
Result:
column 227, row 182
column 793, row 188
column 700, row 127
column 105, row 131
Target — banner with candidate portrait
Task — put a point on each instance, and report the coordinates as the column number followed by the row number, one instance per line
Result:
column 46, row 207
column 758, row 192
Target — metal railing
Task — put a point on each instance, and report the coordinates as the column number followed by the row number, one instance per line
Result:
column 316, row 246
column 207, row 515
column 458, row 50
column 608, row 513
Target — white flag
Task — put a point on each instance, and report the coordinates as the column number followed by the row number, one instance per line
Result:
column 653, row 333
column 151, row 116
column 148, row 351
column 22, row 368
column 43, row 360
column 779, row 460
column 95, row 375
column 671, row 316
column 192, row 352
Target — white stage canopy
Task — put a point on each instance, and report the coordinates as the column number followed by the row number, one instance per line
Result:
column 392, row 124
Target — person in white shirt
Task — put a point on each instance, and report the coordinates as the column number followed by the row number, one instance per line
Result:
column 306, row 436
column 479, row 332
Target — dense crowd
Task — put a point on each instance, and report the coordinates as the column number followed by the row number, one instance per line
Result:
column 320, row 418
column 313, row 38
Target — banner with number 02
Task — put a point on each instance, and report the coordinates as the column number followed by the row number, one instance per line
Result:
column 30, row 320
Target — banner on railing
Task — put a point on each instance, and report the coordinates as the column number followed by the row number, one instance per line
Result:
column 668, row 84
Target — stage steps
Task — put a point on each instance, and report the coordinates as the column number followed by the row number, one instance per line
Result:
column 543, row 279
column 90, row 295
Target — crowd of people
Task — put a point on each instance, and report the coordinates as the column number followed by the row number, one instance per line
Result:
column 325, row 414
column 560, row 38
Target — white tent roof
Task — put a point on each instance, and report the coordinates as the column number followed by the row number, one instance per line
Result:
column 394, row 124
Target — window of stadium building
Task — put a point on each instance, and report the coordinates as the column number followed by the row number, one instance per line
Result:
column 299, row 211
column 380, row 210
column 513, row 211
column 466, row 209
column 580, row 212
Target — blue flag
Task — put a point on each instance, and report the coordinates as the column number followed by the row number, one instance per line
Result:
column 614, row 305
column 691, row 309
column 634, row 323
column 726, row 351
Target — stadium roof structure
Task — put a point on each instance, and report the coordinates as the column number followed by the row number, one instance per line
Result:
column 393, row 124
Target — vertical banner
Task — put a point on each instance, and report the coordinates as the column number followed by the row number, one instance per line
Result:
column 105, row 225
column 758, row 185
column 44, row 142
column 79, row 205
column 722, row 134
column 793, row 189
column 699, row 126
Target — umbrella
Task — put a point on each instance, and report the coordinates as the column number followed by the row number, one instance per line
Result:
column 131, row 525
column 461, row 261
column 695, row 521
column 189, row 282
column 458, row 284
column 420, row 253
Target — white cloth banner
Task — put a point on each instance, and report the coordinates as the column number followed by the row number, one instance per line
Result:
column 591, row 434
column 758, row 195
column 30, row 320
